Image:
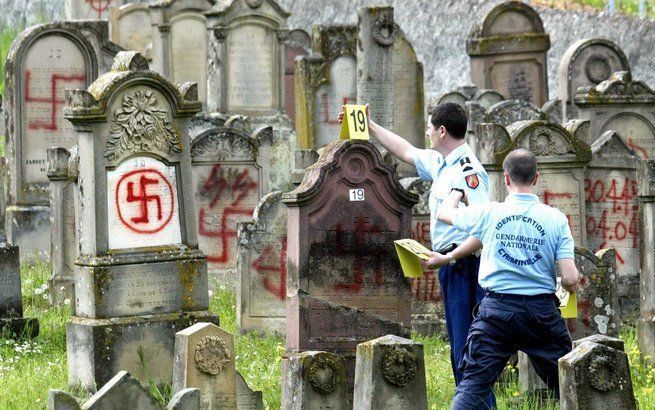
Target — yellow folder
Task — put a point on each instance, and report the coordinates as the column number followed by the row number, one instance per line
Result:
column 568, row 302
column 410, row 253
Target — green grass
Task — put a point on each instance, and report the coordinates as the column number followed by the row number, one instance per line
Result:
column 29, row 368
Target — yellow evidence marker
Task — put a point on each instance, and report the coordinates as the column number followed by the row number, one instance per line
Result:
column 410, row 253
column 355, row 124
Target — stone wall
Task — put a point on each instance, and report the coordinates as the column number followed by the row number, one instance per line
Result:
column 438, row 31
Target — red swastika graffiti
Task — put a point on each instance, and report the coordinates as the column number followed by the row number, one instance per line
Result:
column 424, row 289
column 638, row 149
column 239, row 185
column 275, row 275
column 99, row 6
column 52, row 100
column 138, row 219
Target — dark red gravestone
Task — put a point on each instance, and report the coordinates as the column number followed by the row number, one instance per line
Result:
column 344, row 282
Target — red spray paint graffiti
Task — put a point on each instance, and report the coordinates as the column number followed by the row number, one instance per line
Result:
column 52, row 100
column 98, row 6
column 325, row 105
column 139, row 220
column 274, row 274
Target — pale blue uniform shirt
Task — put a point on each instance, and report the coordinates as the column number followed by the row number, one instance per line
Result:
column 523, row 238
column 446, row 174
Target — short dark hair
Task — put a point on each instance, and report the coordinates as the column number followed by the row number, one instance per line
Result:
column 452, row 116
column 521, row 166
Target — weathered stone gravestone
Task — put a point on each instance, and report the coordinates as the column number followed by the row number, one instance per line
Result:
column 587, row 63
column 231, row 173
column 508, row 53
column 123, row 391
column 247, row 399
column 62, row 173
column 470, row 92
column 493, row 144
column 622, row 105
column 646, row 321
column 596, row 376
column 262, row 268
column 428, row 317
column 344, row 282
column 179, row 41
column 11, row 298
column 612, row 214
column 249, row 43
column 390, row 374
column 89, row 9
column 140, row 276
column 324, row 82
column 314, row 380
column 131, row 27
column 205, row 360
column 299, row 44
column 43, row 61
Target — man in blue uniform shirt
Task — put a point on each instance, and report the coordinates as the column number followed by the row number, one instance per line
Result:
column 449, row 164
column 523, row 242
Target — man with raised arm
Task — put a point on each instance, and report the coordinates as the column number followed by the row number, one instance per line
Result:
column 524, row 243
column 451, row 165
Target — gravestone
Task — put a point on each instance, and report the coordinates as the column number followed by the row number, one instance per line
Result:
column 205, row 360
column 470, row 92
column 231, row 173
column 299, row 44
column 303, row 159
column 428, row 317
column 612, row 213
column 247, row 399
column 249, row 42
column 262, row 268
column 561, row 157
column 123, row 391
column 585, row 63
column 493, row 144
column 314, row 380
column 376, row 34
column 140, row 276
column 179, row 42
column 89, row 9
column 621, row 105
column 344, row 282
column 646, row 321
column 390, row 374
column 42, row 62
column 595, row 376
column 324, row 82
column 11, row 299
column 131, row 27
column 62, row 173
column 508, row 53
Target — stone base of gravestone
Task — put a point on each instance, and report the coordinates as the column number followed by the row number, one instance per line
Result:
column 28, row 227
column 596, row 375
column 314, row 380
column 11, row 302
column 98, row 348
column 390, row 374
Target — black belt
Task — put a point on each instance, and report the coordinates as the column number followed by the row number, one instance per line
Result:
column 448, row 248
column 509, row 296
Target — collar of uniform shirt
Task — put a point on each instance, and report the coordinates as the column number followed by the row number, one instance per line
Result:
column 456, row 154
column 521, row 197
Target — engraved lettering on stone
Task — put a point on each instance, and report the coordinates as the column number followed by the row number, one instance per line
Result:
column 398, row 366
column 322, row 374
column 251, row 71
column 212, row 355
column 140, row 125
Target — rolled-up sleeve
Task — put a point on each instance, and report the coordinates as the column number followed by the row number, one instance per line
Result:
column 427, row 163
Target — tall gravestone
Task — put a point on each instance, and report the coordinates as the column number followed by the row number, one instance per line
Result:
column 43, row 61
column 324, row 82
column 622, row 105
column 299, row 44
column 508, row 53
column 11, row 297
column 140, row 276
column 262, row 268
column 250, row 49
column 131, row 27
column 612, row 213
column 344, row 282
column 231, row 173
column 179, row 41
column 646, row 321
column 376, row 34
column 585, row 63
column 89, row 9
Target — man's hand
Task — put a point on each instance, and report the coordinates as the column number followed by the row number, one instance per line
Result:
column 582, row 283
column 436, row 261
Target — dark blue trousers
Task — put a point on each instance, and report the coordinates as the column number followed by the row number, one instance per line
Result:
column 461, row 293
column 504, row 325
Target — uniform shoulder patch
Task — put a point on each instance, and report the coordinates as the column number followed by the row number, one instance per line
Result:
column 466, row 165
column 472, row 181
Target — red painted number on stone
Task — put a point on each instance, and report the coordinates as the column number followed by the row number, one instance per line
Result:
column 55, row 81
column 134, row 193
